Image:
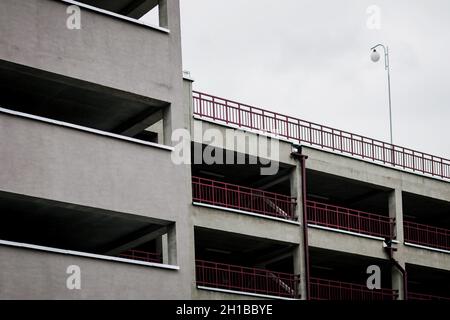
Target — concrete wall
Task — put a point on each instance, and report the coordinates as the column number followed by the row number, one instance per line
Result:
column 376, row 174
column 48, row 161
column 53, row 162
column 397, row 180
column 346, row 167
column 245, row 224
column 426, row 258
column 76, row 167
column 354, row 244
column 281, row 153
column 31, row 274
column 108, row 51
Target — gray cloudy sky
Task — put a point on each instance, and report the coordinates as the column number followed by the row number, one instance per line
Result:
column 310, row 59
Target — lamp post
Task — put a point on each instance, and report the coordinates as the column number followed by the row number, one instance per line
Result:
column 375, row 56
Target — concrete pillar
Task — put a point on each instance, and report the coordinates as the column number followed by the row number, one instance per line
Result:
column 164, row 247
column 167, row 126
column 158, row 245
column 396, row 211
column 171, row 246
column 188, row 107
column 163, row 14
column 299, row 252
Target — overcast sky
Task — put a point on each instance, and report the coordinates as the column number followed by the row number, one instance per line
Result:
column 310, row 59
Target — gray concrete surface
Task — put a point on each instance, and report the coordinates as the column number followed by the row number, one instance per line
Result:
column 337, row 241
column 80, row 168
column 32, row 274
column 244, row 224
column 372, row 173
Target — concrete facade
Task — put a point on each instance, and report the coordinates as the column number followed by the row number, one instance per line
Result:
column 83, row 168
column 130, row 191
column 32, row 274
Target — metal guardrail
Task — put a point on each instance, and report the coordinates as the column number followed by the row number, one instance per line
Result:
column 242, row 198
column 245, row 116
column 322, row 289
column 141, row 255
column 260, row 281
column 349, row 219
column 421, row 296
column 426, row 235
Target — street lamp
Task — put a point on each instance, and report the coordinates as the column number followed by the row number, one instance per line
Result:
column 375, row 57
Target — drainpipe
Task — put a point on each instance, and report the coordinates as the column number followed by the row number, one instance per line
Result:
column 302, row 158
column 390, row 251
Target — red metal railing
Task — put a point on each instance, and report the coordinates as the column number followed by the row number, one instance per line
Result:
column 322, row 289
column 142, row 256
column 348, row 219
column 426, row 235
column 421, row 296
column 242, row 198
column 245, row 116
column 261, row 281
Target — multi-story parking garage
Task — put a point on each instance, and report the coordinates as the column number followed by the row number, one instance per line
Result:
column 87, row 178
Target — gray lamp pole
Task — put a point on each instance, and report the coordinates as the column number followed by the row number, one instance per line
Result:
column 375, row 56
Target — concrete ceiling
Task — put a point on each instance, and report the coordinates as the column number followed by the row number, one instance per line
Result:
column 248, row 175
column 231, row 248
column 68, row 226
column 341, row 266
column 353, row 194
column 428, row 280
column 60, row 98
column 426, row 210
column 131, row 8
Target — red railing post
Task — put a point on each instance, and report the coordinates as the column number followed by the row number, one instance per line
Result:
column 213, row 107
column 239, row 115
column 226, row 111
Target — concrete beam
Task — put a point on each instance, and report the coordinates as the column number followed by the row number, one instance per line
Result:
column 138, row 241
column 36, row 274
column 343, row 242
column 376, row 174
column 138, row 9
column 274, row 257
column 140, row 123
column 423, row 257
column 241, row 223
column 268, row 181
